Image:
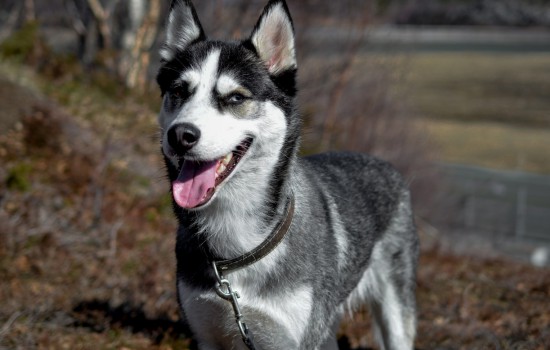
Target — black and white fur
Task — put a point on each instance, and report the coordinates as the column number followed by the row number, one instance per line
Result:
column 352, row 240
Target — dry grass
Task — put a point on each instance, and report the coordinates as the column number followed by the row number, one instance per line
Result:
column 86, row 235
column 493, row 145
column 490, row 109
column 504, row 87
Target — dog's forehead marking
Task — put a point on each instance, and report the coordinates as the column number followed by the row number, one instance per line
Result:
column 227, row 84
column 191, row 77
column 203, row 76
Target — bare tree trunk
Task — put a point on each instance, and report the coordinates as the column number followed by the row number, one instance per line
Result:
column 76, row 19
column 102, row 19
column 136, row 11
column 103, row 16
column 89, row 45
column 80, row 25
column 30, row 15
column 139, row 57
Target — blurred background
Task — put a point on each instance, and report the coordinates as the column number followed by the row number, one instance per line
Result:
column 455, row 93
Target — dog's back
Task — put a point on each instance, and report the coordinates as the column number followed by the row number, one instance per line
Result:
column 365, row 189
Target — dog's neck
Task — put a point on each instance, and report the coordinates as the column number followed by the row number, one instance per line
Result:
column 243, row 214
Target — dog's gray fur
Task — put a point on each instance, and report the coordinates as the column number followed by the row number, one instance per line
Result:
column 352, row 240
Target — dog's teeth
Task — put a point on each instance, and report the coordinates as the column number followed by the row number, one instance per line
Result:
column 227, row 158
column 221, row 168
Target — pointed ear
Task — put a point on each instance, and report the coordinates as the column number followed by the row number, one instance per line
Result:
column 182, row 30
column 273, row 38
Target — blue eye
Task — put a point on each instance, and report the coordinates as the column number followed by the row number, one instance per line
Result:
column 235, row 98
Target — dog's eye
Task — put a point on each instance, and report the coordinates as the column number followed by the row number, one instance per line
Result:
column 235, row 98
column 180, row 92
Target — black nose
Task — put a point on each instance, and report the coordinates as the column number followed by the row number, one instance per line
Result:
column 182, row 137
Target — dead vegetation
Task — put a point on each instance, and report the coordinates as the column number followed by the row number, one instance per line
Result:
column 84, row 221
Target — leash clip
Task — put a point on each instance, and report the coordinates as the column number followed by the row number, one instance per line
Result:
column 224, row 291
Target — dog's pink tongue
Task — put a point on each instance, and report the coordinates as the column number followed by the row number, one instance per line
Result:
column 193, row 183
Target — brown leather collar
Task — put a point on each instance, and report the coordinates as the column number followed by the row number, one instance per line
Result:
column 266, row 247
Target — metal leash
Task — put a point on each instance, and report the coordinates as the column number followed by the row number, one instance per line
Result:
column 224, row 290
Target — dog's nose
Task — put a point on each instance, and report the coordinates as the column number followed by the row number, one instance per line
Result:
column 182, row 137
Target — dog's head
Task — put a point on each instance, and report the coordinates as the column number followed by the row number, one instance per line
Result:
column 227, row 106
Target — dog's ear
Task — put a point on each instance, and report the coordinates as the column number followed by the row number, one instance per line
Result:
column 273, row 38
column 182, row 30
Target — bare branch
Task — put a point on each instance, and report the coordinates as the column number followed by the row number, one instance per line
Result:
column 342, row 80
column 6, row 327
column 102, row 17
column 111, row 6
column 76, row 19
column 98, row 10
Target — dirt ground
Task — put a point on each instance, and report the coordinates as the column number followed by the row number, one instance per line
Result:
column 476, row 303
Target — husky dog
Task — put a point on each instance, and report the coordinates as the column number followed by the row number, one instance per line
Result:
column 272, row 249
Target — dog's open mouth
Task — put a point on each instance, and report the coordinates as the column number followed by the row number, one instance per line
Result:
column 197, row 180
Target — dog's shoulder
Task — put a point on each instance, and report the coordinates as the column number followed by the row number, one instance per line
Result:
column 361, row 185
column 356, row 168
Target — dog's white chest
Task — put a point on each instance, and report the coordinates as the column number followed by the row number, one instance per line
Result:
column 276, row 318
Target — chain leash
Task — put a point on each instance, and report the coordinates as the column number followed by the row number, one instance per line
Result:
column 224, row 291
